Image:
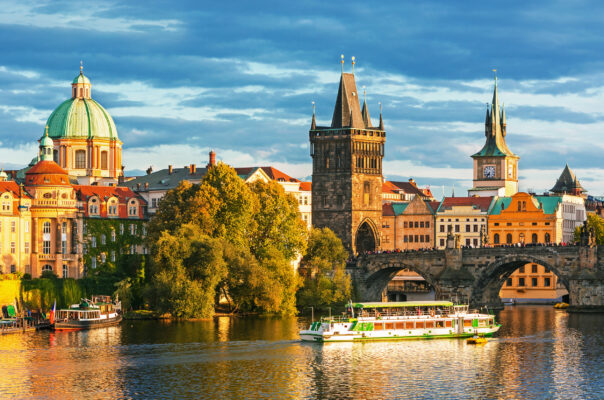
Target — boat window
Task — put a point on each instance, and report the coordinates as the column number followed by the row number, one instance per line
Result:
column 419, row 325
column 440, row 324
column 467, row 322
column 448, row 324
column 378, row 326
column 409, row 325
column 389, row 325
column 429, row 324
column 400, row 325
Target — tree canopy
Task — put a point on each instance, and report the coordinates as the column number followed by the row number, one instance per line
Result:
column 225, row 238
column 597, row 223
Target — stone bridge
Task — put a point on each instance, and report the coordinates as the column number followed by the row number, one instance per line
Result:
column 476, row 275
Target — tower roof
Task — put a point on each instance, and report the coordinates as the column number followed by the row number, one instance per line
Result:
column 567, row 183
column 495, row 130
column 347, row 112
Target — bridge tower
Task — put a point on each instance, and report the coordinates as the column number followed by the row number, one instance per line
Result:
column 347, row 171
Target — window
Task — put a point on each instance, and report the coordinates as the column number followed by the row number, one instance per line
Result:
column 80, row 159
column 405, row 225
column 475, row 228
column 534, row 268
column 521, row 270
column 93, row 262
column 103, row 257
column 496, row 238
column 547, row 238
column 547, row 282
column 121, row 229
column 442, row 242
column 104, row 160
column 132, row 249
column 93, row 242
column 153, row 203
column 305, row 200
column 64, row 247
column 468, row 228
column 534, row 238
column 546, row 270
column 416, row 224
column 132, row 229
column 65, row 271
column 421, row 224
column 144, row 229
column 112, row 205
column 93, row 206
column 112, row 255
column 534, row 282
column 13, row 226
column 46, row 227
column 26, row 248
column 427, row 224
column 405, row 239
column 456, row 228
column 468, row 242
column 508, row 238
column 13, row 248
column 103, row 239
column 521, row 282
column 13, row 268
column 113, row 235
column 46, row 246
column 496, row 224
column 47, row 267
column 442, row 228
column 508, row 282
column 26, row 226
column 475, row 242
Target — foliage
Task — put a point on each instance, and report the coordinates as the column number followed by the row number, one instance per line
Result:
column 327, row 282
column 597, row 223
column 41, row 293
column 225, row 238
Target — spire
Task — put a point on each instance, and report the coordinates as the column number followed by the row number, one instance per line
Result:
column 365, row 111
column 347, row 111
column 313, row 124
column 81, row 67
column 381, row 120
column 503, row 124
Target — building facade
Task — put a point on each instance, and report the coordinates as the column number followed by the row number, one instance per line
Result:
column 408, row 226
column 465, row 217
column 347, row 171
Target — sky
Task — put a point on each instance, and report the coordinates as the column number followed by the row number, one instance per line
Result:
column 181, row 78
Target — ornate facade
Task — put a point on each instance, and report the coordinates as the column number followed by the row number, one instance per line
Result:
column 347, row 171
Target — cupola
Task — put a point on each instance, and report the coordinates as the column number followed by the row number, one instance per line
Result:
column 80, row 87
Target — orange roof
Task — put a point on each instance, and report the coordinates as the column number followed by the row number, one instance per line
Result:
column 106, row 191
column 389, row 187
column 13, row 187
column 387, row 210
column 272, row 173
column 482, row 202
column 306, row 186
column 46, row 173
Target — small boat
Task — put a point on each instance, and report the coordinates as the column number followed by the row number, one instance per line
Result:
column 561, row 305
column 476, row 340
column 99, row 312
column 401, row 320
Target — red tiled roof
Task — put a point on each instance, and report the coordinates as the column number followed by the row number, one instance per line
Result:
column 277, row 175
column 387, row 210
column 123, row 194
column 482, row 202
column 434, row 205
column 46, row 173
column 389, row 187
column 11, row 186
column 306, row 186
column 408, row 187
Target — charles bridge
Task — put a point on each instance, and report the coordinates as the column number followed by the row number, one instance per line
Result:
column 477, row 274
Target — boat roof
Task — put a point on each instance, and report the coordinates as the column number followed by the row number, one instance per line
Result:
column 397, row 304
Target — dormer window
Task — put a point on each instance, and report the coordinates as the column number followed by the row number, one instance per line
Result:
column 7, row 203
column 93, row 206
column 132, row 208
column 112, row 205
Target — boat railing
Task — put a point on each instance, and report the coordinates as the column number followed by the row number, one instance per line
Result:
column 336, row 319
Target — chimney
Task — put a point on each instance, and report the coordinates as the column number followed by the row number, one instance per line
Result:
column 170, row 169
column 146, row 185
column 212, row 159
column 411, row 181
column 149, row 170
column 192, row 169
column 138, row 186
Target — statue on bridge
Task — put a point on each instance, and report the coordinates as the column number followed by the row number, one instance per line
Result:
column 452, row 240
column 587, row 235
column 484, row 239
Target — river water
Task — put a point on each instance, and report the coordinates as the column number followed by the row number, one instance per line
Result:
column 539, row 353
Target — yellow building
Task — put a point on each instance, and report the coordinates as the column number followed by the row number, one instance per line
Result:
column 524, row 219
column 15, row 227
column 465, row 217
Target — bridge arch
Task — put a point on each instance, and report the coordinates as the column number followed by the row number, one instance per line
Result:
column 488, row 284
column 366, row 236
column 378, row 280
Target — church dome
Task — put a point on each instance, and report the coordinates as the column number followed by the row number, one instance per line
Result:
column 81, row 117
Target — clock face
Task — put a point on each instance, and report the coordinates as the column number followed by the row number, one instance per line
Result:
column 489, row 171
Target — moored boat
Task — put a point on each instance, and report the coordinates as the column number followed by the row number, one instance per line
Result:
column 89, row 314
column 401, row 320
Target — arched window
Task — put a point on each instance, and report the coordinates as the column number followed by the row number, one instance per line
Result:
column 65, row 271
column 547, row 238
column 80, row 159
column 132, row 208
column 112, row 207
column 508, row 238
column 55, row 156
column 93, row 206
column 496, row 238
column 104, row 160
column 47, row 267
column 535, row 238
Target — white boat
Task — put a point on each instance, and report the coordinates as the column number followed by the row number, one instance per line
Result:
column 401, row 320
column 89, row 314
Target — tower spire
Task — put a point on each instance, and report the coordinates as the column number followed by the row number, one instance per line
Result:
column 313, row 124
column 381, row 120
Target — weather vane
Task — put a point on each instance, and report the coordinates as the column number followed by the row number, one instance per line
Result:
column 353, row 64
column 81, row 66
column 495, row 71
column 342, row 62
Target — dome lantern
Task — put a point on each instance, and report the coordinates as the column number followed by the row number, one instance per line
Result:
column 80, row 87
column 46, row 146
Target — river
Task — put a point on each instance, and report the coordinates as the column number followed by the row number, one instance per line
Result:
column 539, row 353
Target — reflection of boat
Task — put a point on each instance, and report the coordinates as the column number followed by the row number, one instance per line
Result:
column 401, row 320
column 96, row 313
column 476, row 340
column 561, row 305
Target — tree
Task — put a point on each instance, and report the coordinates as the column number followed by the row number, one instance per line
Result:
column 597, row 223
column 327, row 282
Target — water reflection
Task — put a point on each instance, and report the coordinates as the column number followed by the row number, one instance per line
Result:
column 539, row 353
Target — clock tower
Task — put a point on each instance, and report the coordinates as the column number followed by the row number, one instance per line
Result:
column 495, row 166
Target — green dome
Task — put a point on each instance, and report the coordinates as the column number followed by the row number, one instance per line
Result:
column 81, row 118
column 81, row 78
column 46, row 141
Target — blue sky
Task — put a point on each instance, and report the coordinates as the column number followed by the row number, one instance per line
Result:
column 181, row 78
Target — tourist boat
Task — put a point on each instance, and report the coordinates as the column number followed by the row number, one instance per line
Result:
column 96, row 313
column 401, row 320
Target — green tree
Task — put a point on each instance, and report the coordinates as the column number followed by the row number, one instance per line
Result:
column 597, row 223
column 327, row 282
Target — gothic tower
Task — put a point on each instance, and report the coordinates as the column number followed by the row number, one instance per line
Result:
column 495, row 166
column 347, row 171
